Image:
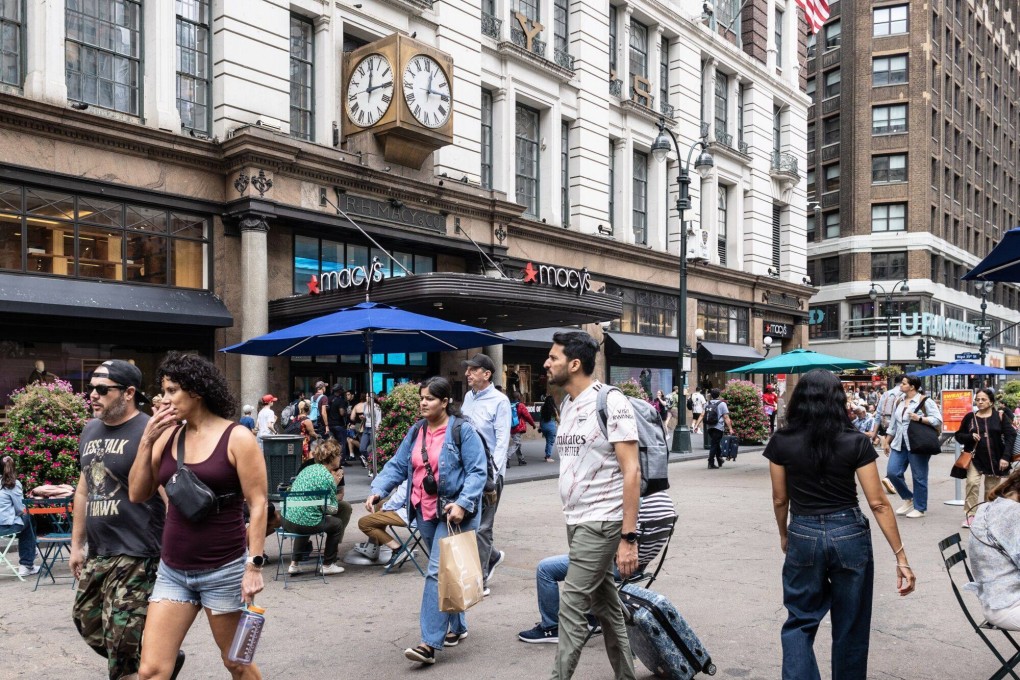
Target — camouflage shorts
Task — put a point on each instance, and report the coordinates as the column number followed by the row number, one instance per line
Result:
column 110, row 606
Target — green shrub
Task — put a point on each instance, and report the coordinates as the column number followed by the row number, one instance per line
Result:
column 400, row 410
column 747, row 413
column 1010, row 394
column 42, row 431
column 632, row 388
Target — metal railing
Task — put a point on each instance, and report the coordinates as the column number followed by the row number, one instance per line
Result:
column 724, row 138
column 667, row 109
column 616, row 87
column 744, row 147
column 704, row 130
column 563, row 58
column 491, row 26
column 784, row 162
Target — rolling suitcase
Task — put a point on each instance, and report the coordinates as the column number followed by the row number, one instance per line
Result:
column 661, row 638
column 728, row 446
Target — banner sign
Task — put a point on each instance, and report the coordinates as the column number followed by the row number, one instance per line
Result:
column 955, row 405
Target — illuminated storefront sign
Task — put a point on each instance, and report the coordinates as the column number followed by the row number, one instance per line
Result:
column 936, row 326
column 559, row 277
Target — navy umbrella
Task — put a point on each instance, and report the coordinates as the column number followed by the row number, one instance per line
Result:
column 367, row 328
column 1002, row 264
column 961, row 368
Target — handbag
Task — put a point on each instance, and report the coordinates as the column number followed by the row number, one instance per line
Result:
column 460, row 571
column 187, row 492
column 959, row 469
column 923, row 438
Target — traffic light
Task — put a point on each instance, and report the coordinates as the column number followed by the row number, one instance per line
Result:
column 984, row 344
column 930, row 348
column 920, row 348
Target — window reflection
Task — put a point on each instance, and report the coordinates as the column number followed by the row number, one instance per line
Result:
column 187, row 266
column 314, row 257
column 146, row 259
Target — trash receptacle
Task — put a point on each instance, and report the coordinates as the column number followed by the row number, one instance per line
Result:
column 283, row 458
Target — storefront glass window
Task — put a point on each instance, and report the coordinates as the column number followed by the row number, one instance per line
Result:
column 645, row 312
column 313, row 257
column 870, row 318
column 723, row 323
column 60, row 234
column 824, row 321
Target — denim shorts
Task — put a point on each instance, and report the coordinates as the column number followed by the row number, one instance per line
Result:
column 218, row 590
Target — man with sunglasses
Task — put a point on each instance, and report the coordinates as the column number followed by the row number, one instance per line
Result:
column 124, row 538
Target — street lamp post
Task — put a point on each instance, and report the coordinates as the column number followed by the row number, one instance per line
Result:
column 985, row 287
column 660, row 150
column 873, row 294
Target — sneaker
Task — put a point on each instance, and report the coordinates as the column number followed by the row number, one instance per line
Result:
column 485, row 593
column 905, row 508
column 539, row 635
column 24, row 571
column 294, row 568
column 453, row 639
column 594, row 627
column 914, row 514
column 521, row 461
column 369, row 550
column 329, row 569
column 549, row 460
column 889, row 488
column 495, row 563
column 967, row 522
column 421, row 654
column 364, row 461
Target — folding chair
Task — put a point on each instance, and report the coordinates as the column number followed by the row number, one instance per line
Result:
column 8, row 540
column 409, row 545
column 52, row 546
column 292, row 500
column 954, row 558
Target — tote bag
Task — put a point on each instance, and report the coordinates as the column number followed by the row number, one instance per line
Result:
column 460, row 571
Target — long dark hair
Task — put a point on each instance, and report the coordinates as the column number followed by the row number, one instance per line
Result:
column 440, row 388
column 10, row 475
column 818, row 409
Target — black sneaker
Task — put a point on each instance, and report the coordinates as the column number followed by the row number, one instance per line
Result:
column 421, row 654
column 521, row 461
column 495, row 563
column 539, row 635
column 453, row 639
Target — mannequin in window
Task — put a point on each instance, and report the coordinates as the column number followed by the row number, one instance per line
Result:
column 40, row 374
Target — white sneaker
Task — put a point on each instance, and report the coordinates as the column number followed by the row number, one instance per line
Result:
column 889, row 488
column 914, row 514
column 967, row 522
column 24, row 571
column 905, row 508
column 294, row 568
column 328, row 569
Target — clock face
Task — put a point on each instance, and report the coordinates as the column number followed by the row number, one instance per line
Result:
column 427, row 91
column 369, row 90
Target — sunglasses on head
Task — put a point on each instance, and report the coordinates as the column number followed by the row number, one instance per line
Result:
column 103, row 390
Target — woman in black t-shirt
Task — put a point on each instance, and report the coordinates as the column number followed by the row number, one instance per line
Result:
column 829, row 560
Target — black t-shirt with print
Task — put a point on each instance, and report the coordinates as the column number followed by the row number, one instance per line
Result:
column 810, row 492
column 336, row 404
column 115, row 525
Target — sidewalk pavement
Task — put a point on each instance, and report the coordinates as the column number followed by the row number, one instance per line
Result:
column 723, row 572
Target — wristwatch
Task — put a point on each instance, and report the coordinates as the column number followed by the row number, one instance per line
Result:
column 257, row 561
column 630, row 537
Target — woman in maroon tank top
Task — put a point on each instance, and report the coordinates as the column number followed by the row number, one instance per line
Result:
column 203, row 564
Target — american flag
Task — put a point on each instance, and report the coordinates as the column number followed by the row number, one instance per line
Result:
column 816, row 12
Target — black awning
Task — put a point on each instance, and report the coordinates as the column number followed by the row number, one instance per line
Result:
column 537, row 338
column 73, row 298
column 725, row 351
column 646, row 345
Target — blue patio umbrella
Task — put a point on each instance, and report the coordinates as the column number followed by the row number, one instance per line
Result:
column 1002, row 264
column 961, row 368
column 367, row 328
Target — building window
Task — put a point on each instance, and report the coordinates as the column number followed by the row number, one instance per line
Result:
column 832, row 225
column 722, row 103
column 831, row 177
column 889, row 168
column 889, row 20
column 829, row 270
column 722, row 222
column 193, row 82
column 638, row 53
column 812, row 227
column 811, row 136
column 613, row 21
column 824, row 322
column 301, row 92
column 527, row 160
column 11, row 42
column 102, row 54
column 612, row 184
column 529, row 8
column 833, row 33
column 830, row 130
column 486, row 139
column 832, row 83
column 561, row 25
column 565, row 173
column 315, row 257
column 812, row 45
column 888, row 119
column 723, row 323
column 889, row 266
column 777, row 234
column 645, row 312
column 888, row 70
column 779, row 38
column 640, row 198
column 664, row 73
column 741, row 93
column 811, row 87
column 889, row 217
column 54, row 233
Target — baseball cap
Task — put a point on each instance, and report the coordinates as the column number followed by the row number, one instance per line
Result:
column 123, row 373
column 338, row 388
column 481, row 361
column 268, row 399
column 319, row 384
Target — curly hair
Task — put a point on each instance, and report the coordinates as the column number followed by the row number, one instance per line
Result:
column 327, row 452
column 199, row 376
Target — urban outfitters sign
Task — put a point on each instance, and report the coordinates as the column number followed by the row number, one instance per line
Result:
column 558, row 277
column 936, row 326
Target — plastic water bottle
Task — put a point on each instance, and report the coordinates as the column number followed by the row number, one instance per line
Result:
column 246, row 637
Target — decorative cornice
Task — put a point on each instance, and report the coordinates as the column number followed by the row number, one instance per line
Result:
column 517, row 53
column 254, row 222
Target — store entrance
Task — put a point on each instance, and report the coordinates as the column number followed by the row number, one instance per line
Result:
column 351, row 372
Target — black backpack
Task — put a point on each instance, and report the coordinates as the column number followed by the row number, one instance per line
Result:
column 712, row 413
column 690, row 404
column 293, row 427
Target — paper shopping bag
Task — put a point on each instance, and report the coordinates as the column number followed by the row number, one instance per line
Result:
column 460, row 572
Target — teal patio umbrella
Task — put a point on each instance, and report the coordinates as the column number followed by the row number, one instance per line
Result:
column 802, row 361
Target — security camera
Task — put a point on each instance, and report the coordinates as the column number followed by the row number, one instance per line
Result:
column 708, row 8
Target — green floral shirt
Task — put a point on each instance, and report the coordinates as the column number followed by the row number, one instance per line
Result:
column 312, row 478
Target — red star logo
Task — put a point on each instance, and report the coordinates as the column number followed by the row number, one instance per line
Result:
column 313, row 286
column 530, row 274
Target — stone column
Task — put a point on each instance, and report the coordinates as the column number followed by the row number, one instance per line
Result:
column 504, row 127
column 708, row 97
column 495, row 352
column 655, row 68
column 160, row 66
column 624, row 57
column 326, row 82
column 44, row 52
column 254, row 303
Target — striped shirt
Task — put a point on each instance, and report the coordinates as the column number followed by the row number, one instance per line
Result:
column 653, row 507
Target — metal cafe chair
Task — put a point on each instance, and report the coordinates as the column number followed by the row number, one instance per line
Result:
column 7, row 541
column 410, row 545
column 54, row 545
column 299, row 499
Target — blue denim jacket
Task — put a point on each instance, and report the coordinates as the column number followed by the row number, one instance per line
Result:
column 461, row 474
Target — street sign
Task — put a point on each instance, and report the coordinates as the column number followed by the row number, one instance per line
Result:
column 964, row 356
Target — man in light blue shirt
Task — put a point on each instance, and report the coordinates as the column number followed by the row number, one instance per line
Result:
column 488, row 409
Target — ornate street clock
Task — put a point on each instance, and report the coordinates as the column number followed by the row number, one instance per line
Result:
column 400, row 90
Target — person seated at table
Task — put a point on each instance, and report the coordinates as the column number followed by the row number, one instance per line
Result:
column 323, row 474
column 994, row 550
column 14, row 518
column 552, row 570
column 392, row 513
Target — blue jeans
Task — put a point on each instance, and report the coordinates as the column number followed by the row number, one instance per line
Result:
column 549, row 432
column 550, row 573
column 898, row 461
column 26, row 540
column 829, row 567
column 434, row 623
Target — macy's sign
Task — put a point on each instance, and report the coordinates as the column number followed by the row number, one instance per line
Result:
column 558, row 277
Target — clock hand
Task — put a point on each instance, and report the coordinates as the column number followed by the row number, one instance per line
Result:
column 376, row 87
